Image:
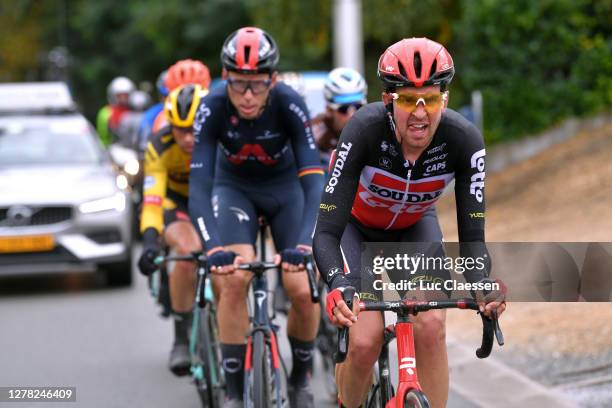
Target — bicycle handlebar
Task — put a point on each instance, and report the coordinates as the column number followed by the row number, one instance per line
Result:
column 201, row 261
column 198, row 257
column 490, row 326
column 260, row 267
column 257, row 266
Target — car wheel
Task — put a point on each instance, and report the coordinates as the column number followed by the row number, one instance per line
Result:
column 119, row 273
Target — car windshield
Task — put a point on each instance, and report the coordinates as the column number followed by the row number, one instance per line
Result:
column 20, row 145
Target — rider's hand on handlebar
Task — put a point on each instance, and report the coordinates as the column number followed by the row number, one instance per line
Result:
column 292, row 259
column 223, row 262
column 487, row 308
column 337, row 310
column 493, row 300
column 146, row 263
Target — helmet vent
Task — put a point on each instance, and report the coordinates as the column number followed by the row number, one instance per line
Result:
column 434, row 68
column 418, row 66
column 247, row 52
column 401, row 69
column 184, row 101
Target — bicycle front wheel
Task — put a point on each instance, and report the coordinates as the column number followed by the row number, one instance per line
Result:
column 210, row 387
column 415, row 399
column 261, row 372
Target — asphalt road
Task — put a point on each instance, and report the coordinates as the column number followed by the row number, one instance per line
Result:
column 110, row 344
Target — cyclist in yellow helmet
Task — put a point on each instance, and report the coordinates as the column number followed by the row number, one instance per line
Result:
column 165, row 217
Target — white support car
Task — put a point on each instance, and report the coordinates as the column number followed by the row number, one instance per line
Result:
column 63, row 206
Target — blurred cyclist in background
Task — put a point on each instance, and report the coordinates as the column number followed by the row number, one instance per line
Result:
column 129, row 125
column 183, row 72
column 345, row 92
column 146, row 125
column 108, row 118
column 165, row 218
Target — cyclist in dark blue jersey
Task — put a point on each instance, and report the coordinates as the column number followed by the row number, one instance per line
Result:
column 392, row 162
column 255, row 155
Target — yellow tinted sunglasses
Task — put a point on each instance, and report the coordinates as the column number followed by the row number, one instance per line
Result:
column 432, row 101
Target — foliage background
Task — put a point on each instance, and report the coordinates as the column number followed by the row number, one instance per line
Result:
column 535, row 62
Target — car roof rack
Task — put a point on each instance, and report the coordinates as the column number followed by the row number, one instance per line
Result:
column 44, row 98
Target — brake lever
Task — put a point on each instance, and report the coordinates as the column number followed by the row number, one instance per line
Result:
column 312, row 280
column 343, row 333
column 499, row 336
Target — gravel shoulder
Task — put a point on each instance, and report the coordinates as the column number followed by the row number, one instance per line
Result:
column 561, row 195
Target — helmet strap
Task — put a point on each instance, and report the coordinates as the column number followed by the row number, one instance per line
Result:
column 391, row 119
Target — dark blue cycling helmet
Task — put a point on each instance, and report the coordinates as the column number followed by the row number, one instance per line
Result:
column 161, row 86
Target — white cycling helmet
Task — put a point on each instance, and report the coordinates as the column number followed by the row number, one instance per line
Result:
column 140, row 101
column 345, row 86
column 117, row 86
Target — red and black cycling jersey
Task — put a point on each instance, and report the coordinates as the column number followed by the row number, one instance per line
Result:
column 372, row 185
column 272, row 149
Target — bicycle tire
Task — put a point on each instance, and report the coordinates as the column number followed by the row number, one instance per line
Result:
column 211, row 390
column 415, row 399
column 373, row 399
column 375, row 394
column 261, row 372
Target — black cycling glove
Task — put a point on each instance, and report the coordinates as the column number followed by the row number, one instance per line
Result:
column 294, row 256
column 150, row 251
column 221, row 258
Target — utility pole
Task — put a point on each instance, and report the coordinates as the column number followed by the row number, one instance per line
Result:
column 348, row 37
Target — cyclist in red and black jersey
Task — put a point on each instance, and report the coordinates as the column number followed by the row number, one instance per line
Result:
column 393, row 160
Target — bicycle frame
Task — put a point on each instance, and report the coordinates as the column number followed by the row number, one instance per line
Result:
column 261, row 320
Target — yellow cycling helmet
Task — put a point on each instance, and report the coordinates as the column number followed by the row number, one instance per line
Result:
column 182, row 104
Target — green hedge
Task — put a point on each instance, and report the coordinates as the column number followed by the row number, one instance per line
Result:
column 536, row 62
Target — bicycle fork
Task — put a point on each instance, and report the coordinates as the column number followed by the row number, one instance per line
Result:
column 406, row 360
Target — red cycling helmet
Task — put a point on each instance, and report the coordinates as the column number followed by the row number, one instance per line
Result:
column 250, row 50
column 185, row 72
column 415, row 62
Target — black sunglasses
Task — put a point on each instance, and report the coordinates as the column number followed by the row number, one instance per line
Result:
column 241, row 86
column 344, row 109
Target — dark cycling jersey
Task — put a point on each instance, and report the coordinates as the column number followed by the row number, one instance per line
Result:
column 372, row 184
column 253, row 151
column 325, row 137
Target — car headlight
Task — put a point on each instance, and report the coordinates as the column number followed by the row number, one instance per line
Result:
column 116, row 202
column 132, row 167
column 122, row 182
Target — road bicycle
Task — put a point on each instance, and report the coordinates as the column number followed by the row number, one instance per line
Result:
column 204, row 346
column 409, row 392
column 265, row 373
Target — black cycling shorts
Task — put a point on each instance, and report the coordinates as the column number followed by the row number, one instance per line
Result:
column 237, row 205
column 175, row 209
column 426, row 231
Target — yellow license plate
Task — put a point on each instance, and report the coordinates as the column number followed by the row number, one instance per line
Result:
column 38, row 243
